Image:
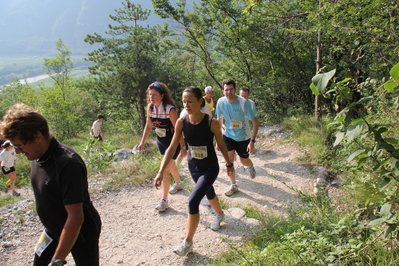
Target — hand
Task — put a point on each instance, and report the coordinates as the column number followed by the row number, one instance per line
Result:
column 158, row 181
column 251, row 147
column 141, row 147
column 230, row 170
column 183, row 153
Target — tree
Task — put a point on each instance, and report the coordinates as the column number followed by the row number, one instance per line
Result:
column 127, row 62
column 59, row 67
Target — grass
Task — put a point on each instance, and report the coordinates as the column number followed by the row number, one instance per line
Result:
column 8, row 200
column 311, row 136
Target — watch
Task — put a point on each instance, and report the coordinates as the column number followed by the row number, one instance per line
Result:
column 230, row 165
column 253, row 140
column 57, row 262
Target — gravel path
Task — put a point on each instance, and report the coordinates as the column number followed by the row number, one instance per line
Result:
column 134, row 233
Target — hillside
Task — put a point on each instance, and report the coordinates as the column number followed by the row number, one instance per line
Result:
column 31, row 27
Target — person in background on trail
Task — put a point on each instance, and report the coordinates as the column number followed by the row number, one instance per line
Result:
column 96, row 130
column 234, row 110
column 59, row 181
column 7, row 158
column 209, row 100
column 162, row 115
column 199, row 130
column 245, row 93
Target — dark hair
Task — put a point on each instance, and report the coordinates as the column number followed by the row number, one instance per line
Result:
column 229, row 82
column 100, row 116
column 197, row 93
column 163, row 90
column 24, row 122
column 244, row 89
column 6, row 144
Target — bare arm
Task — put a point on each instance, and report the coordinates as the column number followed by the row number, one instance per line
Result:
column 255, row 128
column 71, row 230
column 220, row 123
column 215, row 128
column 173, row 119
column 146, row 133
column 169, row 152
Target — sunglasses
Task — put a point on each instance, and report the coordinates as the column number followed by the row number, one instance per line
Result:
column 19, row 147
column 156, row 85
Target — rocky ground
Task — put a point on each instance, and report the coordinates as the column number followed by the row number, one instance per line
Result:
column 134, row 233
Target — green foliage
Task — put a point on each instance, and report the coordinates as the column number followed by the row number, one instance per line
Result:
column 312, row 234
column 308, row 132
column 8, row 200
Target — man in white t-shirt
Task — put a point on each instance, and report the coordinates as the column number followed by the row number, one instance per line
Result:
column 96, row 130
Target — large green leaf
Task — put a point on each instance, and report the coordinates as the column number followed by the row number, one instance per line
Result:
column 395, row 166
column 338, row 138
column 386, row 181
column 320, row 81
column 395, row 71
column 314, row 89
column 390, row 85
column 385, row 210
column 355, row 154
column 354, row 131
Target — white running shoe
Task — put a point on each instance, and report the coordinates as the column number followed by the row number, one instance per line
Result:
column 252, row 171
column 175, row 188
column 163, row 205
column 215, row 225
column 233, row 189
column 184, row 248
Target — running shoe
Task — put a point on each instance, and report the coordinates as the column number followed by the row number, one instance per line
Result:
column 163, row 205
column 184, row 248
column 16, row 194
column 233, row 189
column 215, row 225
column 252, row 171
column 175, row 188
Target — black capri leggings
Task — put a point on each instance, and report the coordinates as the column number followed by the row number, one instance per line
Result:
column 204, row 177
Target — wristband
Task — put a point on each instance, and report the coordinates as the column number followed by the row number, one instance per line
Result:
column 230, row 165
column 253, row 140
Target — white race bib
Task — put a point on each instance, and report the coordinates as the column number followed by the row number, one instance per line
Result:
column 161, row 132
column 235, row 124
column 198, row 152
column 44, row 241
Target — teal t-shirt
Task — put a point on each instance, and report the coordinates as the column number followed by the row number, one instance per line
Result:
column 235, row 115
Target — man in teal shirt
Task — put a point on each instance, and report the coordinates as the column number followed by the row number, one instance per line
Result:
column 233, row 110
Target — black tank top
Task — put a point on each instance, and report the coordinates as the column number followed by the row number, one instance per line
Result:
column 199, row 138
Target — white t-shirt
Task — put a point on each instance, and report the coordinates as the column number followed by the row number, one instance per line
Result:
column 96, row 128
column 206, row 109
column 7, row 158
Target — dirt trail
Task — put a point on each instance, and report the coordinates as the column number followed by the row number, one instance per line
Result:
column 134, row 233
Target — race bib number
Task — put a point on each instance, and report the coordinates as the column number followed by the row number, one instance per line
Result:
column 198, row 152
column 161, row 132
column 235, row 124
column 44, row 241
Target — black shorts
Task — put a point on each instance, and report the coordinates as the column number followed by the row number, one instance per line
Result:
column 162, row 147
column 239, row 146
column 7, row 170
column 98, row 138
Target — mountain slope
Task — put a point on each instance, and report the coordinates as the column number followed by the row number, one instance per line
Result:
column 33, row 26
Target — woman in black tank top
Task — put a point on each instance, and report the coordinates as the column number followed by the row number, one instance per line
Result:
column 199, row 130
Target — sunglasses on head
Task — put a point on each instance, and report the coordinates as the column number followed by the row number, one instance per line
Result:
column 156, row 85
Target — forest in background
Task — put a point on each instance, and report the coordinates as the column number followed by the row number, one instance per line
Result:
column 333, row 61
